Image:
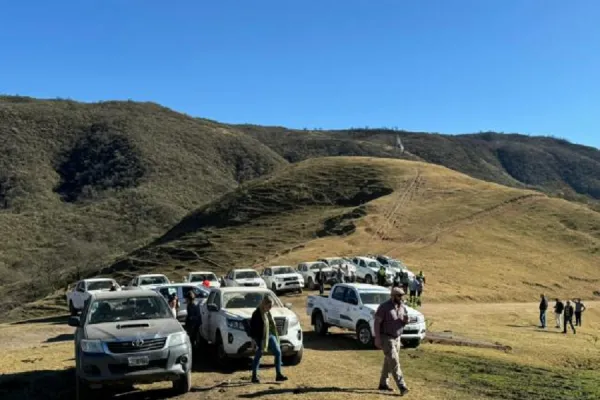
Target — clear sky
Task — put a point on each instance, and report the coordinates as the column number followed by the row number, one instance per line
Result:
column 449, row 66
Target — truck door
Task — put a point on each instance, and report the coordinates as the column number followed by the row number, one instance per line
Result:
column 336, row 305
column 349, row 311
column 78, row 295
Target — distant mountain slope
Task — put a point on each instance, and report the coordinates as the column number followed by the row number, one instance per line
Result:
column 474, row 240
column 81, row 183
column 551, row 165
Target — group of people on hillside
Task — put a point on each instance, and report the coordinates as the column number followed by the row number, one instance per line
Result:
column 566, row 311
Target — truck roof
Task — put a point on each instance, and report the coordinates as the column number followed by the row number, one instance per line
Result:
column 363, row 287
column 98, row 280
column 124, row 294
column 151, row 275
column 243, row 269
column 241, row 289
column 367, row 258
column 191, row 284
column 201, row 273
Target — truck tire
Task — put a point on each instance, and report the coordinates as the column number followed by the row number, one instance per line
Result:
column 320, row 325
column 311, row 283
column 369, row 279
column 294, row 359
column 72, row 309
column 223, row 361
column 183, row 385
column 364, row 335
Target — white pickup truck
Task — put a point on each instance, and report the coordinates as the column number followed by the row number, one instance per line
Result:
column 226, row 318
column 352, row 306
column 199, row 277
column 308, row 270
column 147, row 281
column 283, row 279
column 81, row 291
column 245, row 277
column 367, row 270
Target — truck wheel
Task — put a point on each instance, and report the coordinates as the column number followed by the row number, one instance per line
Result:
column 311, row 284
column 369, row 279
column 72, row 309
column 364, row 335
column 294, row 359
column 222, row 359
column 184, row 384
column 320, row 325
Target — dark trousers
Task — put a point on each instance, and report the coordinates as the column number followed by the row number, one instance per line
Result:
column 578, row 318
column 543, row 318
column 568, row 321
column 321, row 287
column 381, row 280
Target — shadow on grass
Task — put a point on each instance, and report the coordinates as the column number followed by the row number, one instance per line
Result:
column 332, row 342
column 204, row 360
column 65, row 337
column 55, row 320
column 307, row 390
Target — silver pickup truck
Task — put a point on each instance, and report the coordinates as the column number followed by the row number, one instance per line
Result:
column 127, row 337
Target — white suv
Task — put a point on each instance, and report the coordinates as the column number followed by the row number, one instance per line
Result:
column 243, row 277
column 226, row 318
column 283, row 279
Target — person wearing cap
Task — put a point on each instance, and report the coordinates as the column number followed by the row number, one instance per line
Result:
column 390, row 319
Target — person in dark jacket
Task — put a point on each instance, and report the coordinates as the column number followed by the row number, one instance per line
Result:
column 543, row 308
column 381, row 275
column 568, row 318
column 264, row 333
column 320, row 277
column 192, row 320
column 559, row 307
column 579, row 308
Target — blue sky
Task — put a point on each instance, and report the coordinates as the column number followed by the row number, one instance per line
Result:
column 449, row 66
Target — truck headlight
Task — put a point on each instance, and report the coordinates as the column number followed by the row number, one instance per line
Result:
column 293, row 320
column 235, row 324
column 262, row 284
column 177, row 339
column 91, row 346
column 420, row 319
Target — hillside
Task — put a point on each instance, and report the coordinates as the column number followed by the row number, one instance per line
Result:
column 474, row 240
column 552, row 165
column 82, row 183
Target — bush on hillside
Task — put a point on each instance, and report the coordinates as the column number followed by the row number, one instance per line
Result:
column 102, row 159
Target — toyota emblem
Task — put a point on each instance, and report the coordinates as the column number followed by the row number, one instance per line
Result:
column 137, row 343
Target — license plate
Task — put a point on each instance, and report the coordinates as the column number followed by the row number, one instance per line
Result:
column 138, row 361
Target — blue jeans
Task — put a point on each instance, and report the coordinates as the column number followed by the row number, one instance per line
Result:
column 274, row 348
column 543, row 318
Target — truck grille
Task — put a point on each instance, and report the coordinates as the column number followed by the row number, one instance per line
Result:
column 289, row 279
column 280, row 324
column 130, row 347
column 252, row 284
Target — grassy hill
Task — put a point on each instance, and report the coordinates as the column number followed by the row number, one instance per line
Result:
column 552, row 165
column 82, row 183
column 475, row 240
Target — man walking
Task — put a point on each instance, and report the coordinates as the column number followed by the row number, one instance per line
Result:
column 558, row 309
column 381, row 276
column 543, row 308
column 568, row 317
column 321, row 280
column 579, row 308
column 390, row 319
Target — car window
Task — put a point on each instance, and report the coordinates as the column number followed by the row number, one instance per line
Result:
column 197, row 291
column 339, row 293
column 217, row 300
column 246, row 274
column 99, row 285
column 283, row 270
column 203, row 277
column 211, row 298
column 128, row 309
column 351, row 295
column 234, row 300
column 154, row 280
column 374, row 297
column 80, row 286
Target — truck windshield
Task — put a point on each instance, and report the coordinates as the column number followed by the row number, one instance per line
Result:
column 246, row 275
column 203, row 277
column 247, row 300
column 374, row 297
column 154, row 280
column 99, row 285
column 283, row 270
column 128, row 309
column 317, row 266
column 336, row 261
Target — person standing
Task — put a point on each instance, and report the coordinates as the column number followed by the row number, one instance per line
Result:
column 568, row 319
column 404, row 280
column 264, row 333
column 192, row 319
column 390, row 319
column 543, row 308
column 320, row 280
column 381, row 276
column 174, row 304
column 579, row 308
column 558, row 310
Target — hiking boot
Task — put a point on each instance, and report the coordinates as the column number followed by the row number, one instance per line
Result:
column 281, row 378
column 255, row 379
column 385, row 388
column 403, row 390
